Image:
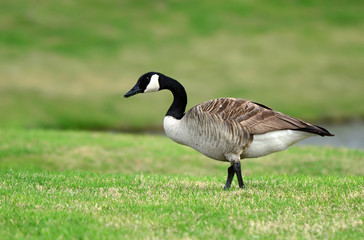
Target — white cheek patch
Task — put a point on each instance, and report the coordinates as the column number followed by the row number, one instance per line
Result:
column 153, row 85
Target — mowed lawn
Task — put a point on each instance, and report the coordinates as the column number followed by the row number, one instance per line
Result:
column 71, row 185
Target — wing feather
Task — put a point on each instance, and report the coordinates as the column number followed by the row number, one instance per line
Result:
column 254, row 117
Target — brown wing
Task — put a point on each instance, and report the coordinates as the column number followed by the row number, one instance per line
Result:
column 256, row 118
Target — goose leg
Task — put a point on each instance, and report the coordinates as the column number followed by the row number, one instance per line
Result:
column 237, row 170
column 230, row 177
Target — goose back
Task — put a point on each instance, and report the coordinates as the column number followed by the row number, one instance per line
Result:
column 254, row 117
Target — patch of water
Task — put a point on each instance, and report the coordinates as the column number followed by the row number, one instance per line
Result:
column 350, row 135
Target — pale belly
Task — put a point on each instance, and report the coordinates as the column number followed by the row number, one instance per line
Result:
column 264, row 144
column 208, row 149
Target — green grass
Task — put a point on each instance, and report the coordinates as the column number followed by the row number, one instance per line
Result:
column 50, row 205
column 129, row 153
column 66, row 64
column 68, row 184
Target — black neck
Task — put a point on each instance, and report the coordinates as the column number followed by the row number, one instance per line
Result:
column 178, row 107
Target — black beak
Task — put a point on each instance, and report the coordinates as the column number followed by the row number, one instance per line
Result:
column 133, row 91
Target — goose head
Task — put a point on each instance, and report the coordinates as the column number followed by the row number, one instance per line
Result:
column 148, row 82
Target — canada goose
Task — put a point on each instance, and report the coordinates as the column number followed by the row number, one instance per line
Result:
column 226, row 129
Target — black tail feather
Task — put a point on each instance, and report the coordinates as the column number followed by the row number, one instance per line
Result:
column 316, row 130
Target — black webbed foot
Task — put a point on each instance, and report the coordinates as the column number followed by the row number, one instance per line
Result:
column 235, row 168
column 230, row 177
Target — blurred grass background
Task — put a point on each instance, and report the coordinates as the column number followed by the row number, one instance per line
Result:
column 66, row 64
